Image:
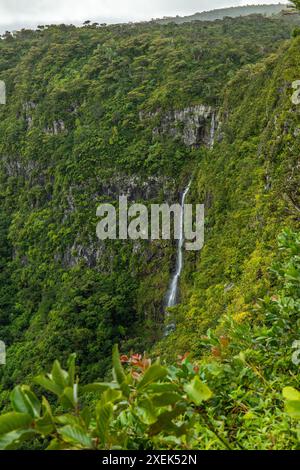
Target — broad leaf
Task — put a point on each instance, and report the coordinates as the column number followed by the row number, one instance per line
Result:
column 147, row 411
column 59, row 376
column 119, row 371
column 69, row 398
column 154, row 373
column 13, row 439
column 48, row 385
column 71, row 369
column 45, row 424
column 111, row 396
column 76, row 435
column 197, row 391
column 166, row 399
column 104, row 416
column 290, row 393
column 164, row 421
column 293, row 409
column 12, row 421
column 98, row 387
column 163, row 387
column 24, row 401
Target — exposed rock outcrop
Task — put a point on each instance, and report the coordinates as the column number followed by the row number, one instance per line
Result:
column 28, row 107
column 92, row 252
column 17, row 166
column 57, row 127
column 192, row 125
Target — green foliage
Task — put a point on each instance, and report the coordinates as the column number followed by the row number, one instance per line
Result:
column 250, row 185
column 71, row 137
column 292, row 397
column 148, row 399
column 296, row 3
column 84, row 122
column 231, row 401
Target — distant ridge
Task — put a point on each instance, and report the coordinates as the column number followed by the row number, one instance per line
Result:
column 233, row 12
column 211, row 15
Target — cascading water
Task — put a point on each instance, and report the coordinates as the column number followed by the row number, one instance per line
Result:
column 212, row 130
column 172, row 295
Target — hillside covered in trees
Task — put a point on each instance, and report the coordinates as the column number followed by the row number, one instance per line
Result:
column 233, row 12
column 95, row 112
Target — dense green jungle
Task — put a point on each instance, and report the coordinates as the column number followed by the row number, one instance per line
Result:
column 99, row 111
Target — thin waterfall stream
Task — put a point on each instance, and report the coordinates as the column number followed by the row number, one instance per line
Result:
column 212, row 130
column 173, row 292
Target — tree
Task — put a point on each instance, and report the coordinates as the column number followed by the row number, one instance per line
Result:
column 296, row 4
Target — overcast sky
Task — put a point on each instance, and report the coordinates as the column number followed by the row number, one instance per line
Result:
column 22, row 13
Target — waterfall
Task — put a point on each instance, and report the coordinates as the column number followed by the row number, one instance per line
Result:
column 172, row 295
column 212, row 130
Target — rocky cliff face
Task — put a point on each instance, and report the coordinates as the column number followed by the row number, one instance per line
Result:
column 192, row 125
column 92, row 252
column 71, row 137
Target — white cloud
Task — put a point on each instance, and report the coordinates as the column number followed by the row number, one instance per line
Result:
column 32, row 12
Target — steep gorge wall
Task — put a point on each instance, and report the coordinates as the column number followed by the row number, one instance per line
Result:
column 72, row 137
column 250, row 182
